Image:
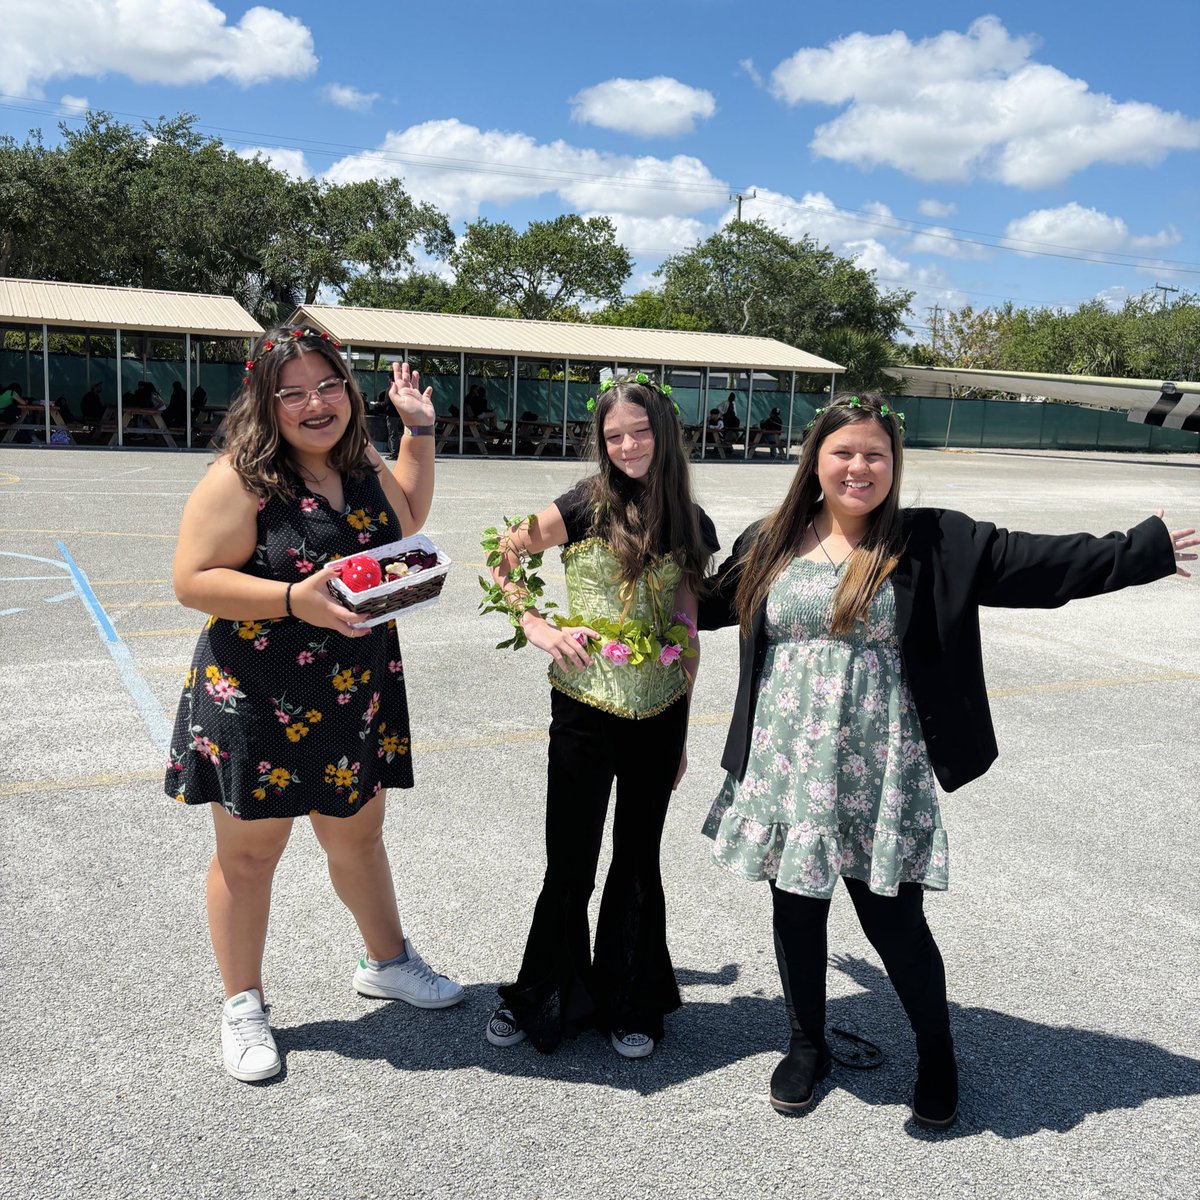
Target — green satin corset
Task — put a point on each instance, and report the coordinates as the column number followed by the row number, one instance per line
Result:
column 595, row 591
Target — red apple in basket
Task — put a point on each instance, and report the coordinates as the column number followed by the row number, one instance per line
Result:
column 361, row 572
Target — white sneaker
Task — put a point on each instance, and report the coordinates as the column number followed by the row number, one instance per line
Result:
column 414, row 981
column 629, row 1044
column 246, row 1040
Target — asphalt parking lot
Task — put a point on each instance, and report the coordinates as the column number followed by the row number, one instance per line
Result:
column 1071, row 932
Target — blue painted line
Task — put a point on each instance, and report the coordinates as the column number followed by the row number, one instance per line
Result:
column 139, row 690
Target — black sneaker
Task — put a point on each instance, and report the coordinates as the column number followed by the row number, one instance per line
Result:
column 502, row 1028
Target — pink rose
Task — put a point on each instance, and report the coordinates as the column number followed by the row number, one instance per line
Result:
column 687, row 623
column 580, row 637
column 617, row 653
column 670, row 652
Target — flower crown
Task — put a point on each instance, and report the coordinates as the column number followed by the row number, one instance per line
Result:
column 641, row 377
column 879, row 410
column 292, row 335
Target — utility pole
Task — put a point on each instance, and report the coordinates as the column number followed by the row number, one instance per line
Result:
column 739, row 198
column 1158, row 287
column 933, row 328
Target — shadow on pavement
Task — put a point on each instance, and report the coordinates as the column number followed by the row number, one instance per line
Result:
column 1018, row 1077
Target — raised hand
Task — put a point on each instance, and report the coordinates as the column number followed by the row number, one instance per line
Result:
column 1181, row 541
column 414, row 406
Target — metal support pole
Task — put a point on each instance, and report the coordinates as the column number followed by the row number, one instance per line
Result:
column 704, row 415
column 791, row 417
column 120, row 397
column 187, row 385
column 462, row 397
column 749, row 411
column 832, row 385
column 949, row 420
column 512, row 417
column 46, row 377
column 566, row 402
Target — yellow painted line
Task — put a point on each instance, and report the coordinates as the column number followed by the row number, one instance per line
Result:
column 123, row 582
column 166, row 537
column 435, row 746
column 146, row 604
column 190, row 631
column 6, row 479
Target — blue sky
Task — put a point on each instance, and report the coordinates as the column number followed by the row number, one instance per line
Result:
column 920, row 140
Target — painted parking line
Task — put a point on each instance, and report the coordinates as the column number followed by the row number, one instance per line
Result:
column 139, row 691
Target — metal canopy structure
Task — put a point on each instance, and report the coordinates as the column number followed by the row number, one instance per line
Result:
column 612, row 346
column 1146, row 401
column 84, row 306
column 450, row 333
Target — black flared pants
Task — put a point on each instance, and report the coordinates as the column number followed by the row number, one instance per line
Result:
column 628, row 982
column 895, row 926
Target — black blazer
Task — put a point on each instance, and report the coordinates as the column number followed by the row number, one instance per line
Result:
column 952, row 565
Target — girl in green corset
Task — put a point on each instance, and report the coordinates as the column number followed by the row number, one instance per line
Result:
column 635, row 547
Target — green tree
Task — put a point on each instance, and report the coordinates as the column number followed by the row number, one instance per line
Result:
column 750, row 278
column 646, row 309
column 547, row 271
column 864, row 353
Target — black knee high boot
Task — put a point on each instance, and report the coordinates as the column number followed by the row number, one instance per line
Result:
column 800, row 951
column 935, row 1095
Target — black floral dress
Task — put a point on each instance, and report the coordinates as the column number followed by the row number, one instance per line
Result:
column 280, row 718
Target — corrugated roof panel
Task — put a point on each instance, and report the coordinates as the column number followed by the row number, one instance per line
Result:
column 387, row 329
column 89, row 306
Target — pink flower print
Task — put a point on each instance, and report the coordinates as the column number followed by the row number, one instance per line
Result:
column 857, row 765
column 282, row 717
column 939, row 859
column 364, row 538
column 761, row 738
column 783, row 764
column 344, row 698
column 294, row 553
column 871, row 660
column 670, row 652
column 261, row 504
column 304, row 658
column 263, row 767
column 259, row 643
column 308, row 505
column 687, row 623
column 787, row 701
column 617, row 653
column 924, row 820
column 222, row 689
column 395, row 666
column 303, row 566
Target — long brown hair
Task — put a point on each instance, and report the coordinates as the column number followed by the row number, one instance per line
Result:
column 779, row 537
column 249, row 435
column 639, row 519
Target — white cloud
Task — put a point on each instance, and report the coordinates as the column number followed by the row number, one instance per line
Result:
column 1081, row 229
column 747, row 65
column 74, row 106
column 937, row 240
column 183, row 42
column 345, row 96
column 656, row 237
column 658, row 107
column 816, row 216
column 936, row 208
column 459, row 167
column 291, row 162
column 957, row 106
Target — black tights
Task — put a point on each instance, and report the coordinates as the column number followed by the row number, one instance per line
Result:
column 894, row 925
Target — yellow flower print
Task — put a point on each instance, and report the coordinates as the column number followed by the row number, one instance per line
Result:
column 350, row 799
column 358, row 519
column 390, row 744
column 295, row 732
column 279, row 777
column 259, row 794
column 343, row 777
column 212, row 673
column 312, row 716
column 343, row 680
column 366, row 676
column 180, row 798
column 383, row 518
column 210, row 622
column 189, row 680
column 249, row 630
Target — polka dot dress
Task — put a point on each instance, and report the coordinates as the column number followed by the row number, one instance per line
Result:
column 279, row 718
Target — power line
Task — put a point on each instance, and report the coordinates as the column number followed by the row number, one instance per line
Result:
column 555, row 176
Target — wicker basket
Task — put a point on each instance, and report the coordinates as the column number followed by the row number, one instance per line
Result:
column 397, row 596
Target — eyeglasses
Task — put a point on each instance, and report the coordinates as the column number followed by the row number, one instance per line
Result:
column 332, row 391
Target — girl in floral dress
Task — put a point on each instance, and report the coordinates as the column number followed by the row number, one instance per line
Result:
column 860, row 685
column 635, row 546
column 289, row 710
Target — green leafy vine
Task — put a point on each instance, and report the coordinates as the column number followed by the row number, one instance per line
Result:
column 525, row 584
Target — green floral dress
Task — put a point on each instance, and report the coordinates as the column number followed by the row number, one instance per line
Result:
column 838, row 780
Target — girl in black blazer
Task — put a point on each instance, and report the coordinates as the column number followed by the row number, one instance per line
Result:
column 861, row 683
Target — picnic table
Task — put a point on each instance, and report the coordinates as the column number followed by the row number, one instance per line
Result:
column 142, row 422
column 474, row 433
column 31, row 418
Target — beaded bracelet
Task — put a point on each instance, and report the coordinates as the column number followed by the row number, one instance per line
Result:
column 287, row 599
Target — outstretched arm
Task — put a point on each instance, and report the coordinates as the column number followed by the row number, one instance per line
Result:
column 409, row 485
column 1181, row 540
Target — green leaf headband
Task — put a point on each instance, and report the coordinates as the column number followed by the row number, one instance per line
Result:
column 642, row 378
column 883, row 410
